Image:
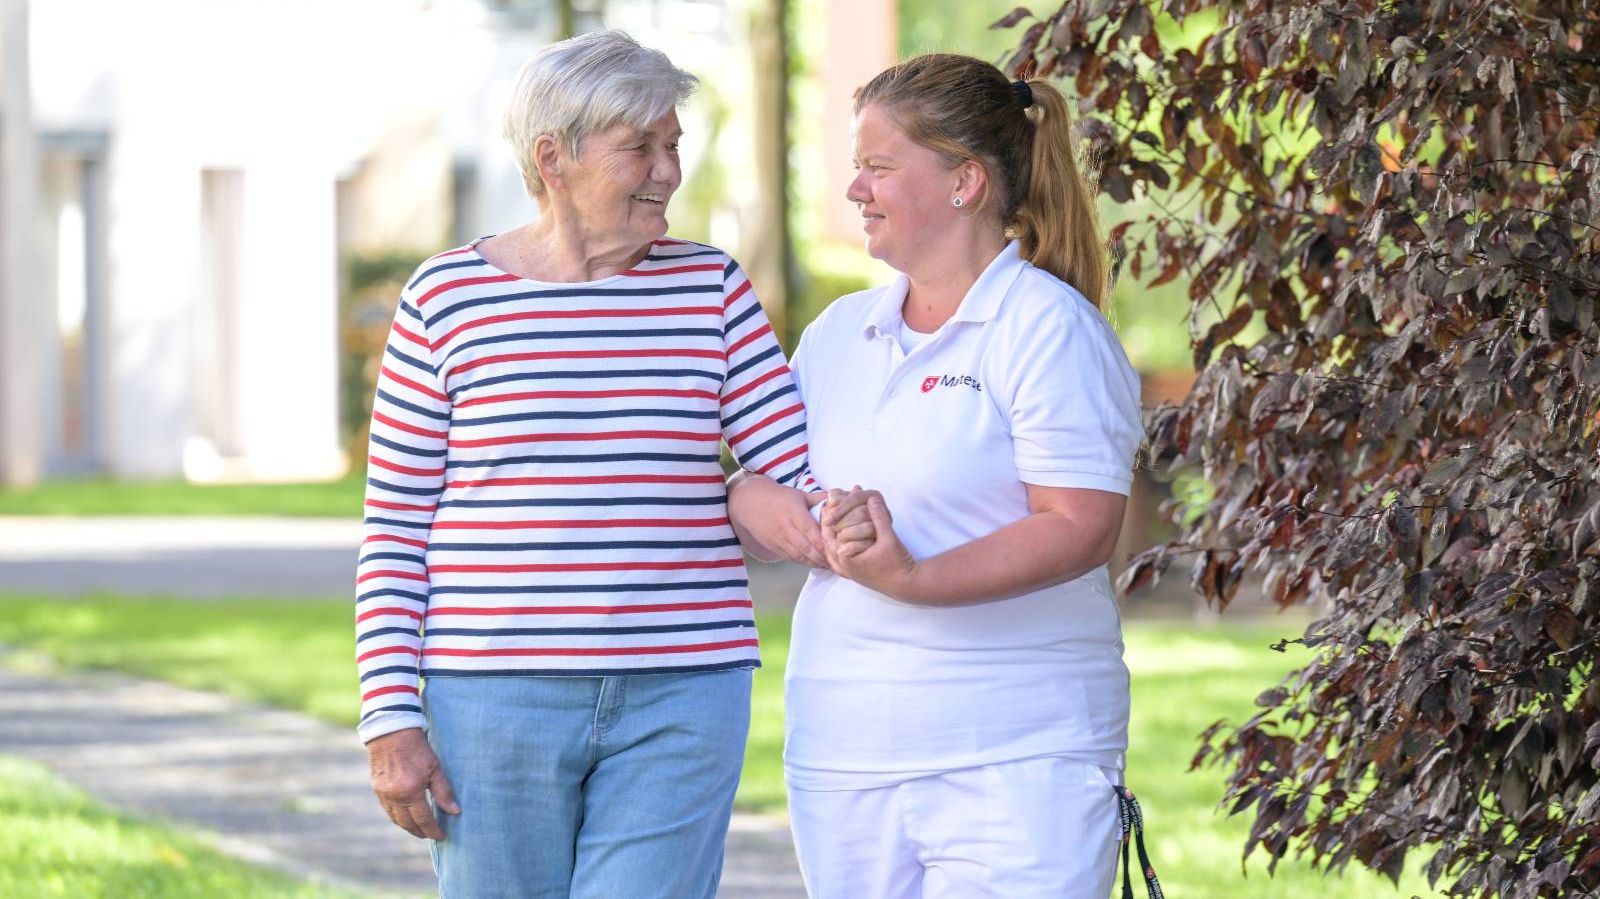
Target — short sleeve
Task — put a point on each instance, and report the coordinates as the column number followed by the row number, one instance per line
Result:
column 1073, row 403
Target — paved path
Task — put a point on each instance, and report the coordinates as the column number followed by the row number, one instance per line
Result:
column 209, row 557
column 273, row 787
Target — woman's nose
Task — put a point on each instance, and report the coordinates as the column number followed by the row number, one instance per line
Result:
column 666, row 169
column 857, row 191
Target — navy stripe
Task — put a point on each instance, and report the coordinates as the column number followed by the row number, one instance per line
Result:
column 585, row 501
column 411, row 311
column 542, row 589
column 408, row 450
column 576, row 416
column 414, row 363
column 662, row 257
column 386, row 631
column 776, row 439
column 580, row 335
column 446, row 266
column 755, row 360
column 582, row 460
column 407, row 491
column 739, row 319
column 650, row 292
column 585, row 544
column 393, row 669
column 397, row 522
column 729, row 269
column 394, row 708
column 791, row 478
column 397, row 557
column 587, row 672
column 582, row 375
column 585, row 631
column 753, row 407
column 392, row 591
column 393, row 400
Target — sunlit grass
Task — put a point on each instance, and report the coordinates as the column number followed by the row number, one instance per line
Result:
column 325, row 499
column 55, row 842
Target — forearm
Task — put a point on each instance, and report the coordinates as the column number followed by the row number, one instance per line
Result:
column 749, row 511
column 1041, row 550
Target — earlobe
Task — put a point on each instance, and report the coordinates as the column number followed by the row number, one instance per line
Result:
column 547, row 158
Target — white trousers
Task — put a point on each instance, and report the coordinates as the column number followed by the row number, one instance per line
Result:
column 1045, row 828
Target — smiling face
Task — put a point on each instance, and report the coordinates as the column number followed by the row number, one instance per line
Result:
column 622, row 178
column 903, row 189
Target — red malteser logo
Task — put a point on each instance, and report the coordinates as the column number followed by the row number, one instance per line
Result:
column 930, row 383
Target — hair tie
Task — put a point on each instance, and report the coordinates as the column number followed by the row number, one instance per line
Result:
column 1024, row 93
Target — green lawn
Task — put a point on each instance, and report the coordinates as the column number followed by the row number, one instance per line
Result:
column 327, row 499
column 54, row 841
column 298, row 655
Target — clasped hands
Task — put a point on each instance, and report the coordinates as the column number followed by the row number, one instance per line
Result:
column 854, row 536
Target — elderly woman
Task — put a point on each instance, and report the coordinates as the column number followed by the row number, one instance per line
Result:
column 547, row 541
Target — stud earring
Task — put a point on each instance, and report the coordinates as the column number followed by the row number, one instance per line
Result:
column 958, row 202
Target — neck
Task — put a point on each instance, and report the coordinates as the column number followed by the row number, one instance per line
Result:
column 941, row 278
column 558, row 246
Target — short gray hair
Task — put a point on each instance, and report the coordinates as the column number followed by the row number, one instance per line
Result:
column 586, row 84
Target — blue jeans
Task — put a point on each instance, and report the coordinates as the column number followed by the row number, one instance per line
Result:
column 587, row 787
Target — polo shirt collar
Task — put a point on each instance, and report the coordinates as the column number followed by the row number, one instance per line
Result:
column 981, row 303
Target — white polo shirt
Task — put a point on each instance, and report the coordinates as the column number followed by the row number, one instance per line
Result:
column 1026, row 383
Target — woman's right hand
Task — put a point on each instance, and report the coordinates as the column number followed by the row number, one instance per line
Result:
column 774, row 522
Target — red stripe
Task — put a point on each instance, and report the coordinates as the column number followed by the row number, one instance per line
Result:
column 584, row 395
column 405, row 469
column 393, row 538
column 402, row 575
column 384, row 691
column 455, row 252
column 389, row 610
column 592, row 479
column 398, row 507
column 597, row 435
column 463, row 282
column 414, row 385
column 584, row 566
column 576, row 313
column 737, row 293
column 780, row 370
column 797, row 451
column 748, row 338
column 676, row 270
column 605, row 523
column 591, row 650
column 594, row 610
column 586, row 354
column 410, row 429
column 386, row 651
column 669, row 242
column 414, row 338
column 785, row 413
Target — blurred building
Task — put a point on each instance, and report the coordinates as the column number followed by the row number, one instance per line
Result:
column 180, row 179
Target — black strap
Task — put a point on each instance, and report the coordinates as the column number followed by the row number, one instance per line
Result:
column 1133, row 834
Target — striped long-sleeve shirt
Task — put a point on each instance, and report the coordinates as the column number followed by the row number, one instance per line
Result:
column 544, row 493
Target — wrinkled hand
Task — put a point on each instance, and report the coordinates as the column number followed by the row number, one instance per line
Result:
column 776, row 517
column 881, row 561
column 404, row 771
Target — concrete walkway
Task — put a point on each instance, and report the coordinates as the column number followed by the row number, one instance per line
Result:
column 272, row 787
column 209, row 557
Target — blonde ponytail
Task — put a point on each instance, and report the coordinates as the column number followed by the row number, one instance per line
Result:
column 1057, row 221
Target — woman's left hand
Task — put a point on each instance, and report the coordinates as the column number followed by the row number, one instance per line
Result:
column 882, row 563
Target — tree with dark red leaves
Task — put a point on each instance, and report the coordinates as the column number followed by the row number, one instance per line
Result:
column 1389, row 219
